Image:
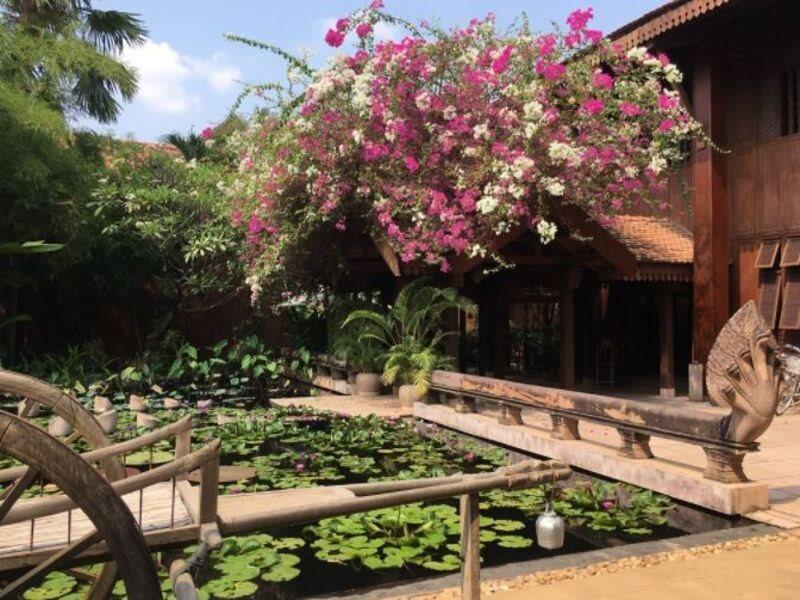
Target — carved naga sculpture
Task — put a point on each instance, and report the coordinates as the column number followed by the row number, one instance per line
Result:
column 741, row 374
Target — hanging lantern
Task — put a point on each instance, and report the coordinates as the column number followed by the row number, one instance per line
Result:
column 550, row 529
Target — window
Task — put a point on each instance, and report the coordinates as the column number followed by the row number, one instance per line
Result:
column 790, row 106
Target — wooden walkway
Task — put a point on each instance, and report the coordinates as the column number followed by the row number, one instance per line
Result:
column 156, row 508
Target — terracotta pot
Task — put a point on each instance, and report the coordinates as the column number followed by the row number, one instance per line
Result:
column 108, row 421
column 408, row 395
column 102, row 404
column 368, row 384
column 59, row 427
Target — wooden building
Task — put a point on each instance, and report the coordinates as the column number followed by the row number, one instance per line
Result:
column 640, row 302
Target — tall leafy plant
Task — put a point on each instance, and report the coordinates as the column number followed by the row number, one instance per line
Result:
column 411, row 331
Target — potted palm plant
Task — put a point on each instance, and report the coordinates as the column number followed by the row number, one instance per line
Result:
column 410, row 333
column 364, row 356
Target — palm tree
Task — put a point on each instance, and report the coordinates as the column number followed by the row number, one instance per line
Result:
column 66, row 53
column 411, row 332
column 191, row 145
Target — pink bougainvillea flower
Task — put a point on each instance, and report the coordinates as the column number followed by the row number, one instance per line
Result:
column 546, row 43
column 666, row 125
column 342, row 24
column 663, row 59
column 207, row 133
column 667, row 102
column 500, row 64
column 593, row 106
column 602, row 80
column 412, row 164
column 363, row 29
column 630, row 109
column 550, row 70
column 334, row 38
column 593, row 36
column 578, row 19
column 376, row 4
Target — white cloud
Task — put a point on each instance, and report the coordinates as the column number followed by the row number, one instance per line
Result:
column 171, row 82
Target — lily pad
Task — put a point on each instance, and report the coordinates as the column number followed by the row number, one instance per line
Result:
column 225, row 588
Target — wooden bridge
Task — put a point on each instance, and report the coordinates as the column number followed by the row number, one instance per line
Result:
column 98, row 514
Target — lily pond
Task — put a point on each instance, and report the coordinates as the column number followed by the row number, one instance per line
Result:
column 290, row 447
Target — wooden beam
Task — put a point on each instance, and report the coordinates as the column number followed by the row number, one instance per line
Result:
column 464, row 263
column 388, row 255
column 711, row 220
column 599, row 238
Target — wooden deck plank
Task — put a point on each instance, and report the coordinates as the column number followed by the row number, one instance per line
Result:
column 52, row 531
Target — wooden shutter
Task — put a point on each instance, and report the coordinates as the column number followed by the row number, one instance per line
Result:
column 770, row 296
column 790, row 257
column 767, row 254
column 790, row 311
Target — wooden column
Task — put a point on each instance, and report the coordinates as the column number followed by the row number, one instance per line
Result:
column 501, row 330
column 711, row 218
column 566, row 311
column 666, row 342
column 452, row 323
column 485, row 334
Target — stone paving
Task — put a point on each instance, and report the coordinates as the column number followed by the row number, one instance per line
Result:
column 765, row 567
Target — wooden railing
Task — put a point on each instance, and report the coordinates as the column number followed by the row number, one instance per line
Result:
column 635, row 421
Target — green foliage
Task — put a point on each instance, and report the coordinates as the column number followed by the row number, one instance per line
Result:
column 65, row 54
column 410, row 331
column 171, row 210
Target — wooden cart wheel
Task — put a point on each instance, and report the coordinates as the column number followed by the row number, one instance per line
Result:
column 66, row 407
column 110, row 516
column 84, row 425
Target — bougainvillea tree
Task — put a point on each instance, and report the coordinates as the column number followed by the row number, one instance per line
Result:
column 440, row 141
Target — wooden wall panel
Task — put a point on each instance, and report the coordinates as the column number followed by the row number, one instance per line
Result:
column 768, row 188
column 790, row 182
column 746, row 273
column 743, row 186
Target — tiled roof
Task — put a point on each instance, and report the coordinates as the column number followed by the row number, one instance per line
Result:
column 669, row 16
column 655, row 239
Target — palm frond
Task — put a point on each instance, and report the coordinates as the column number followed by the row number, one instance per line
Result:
column 111, row 30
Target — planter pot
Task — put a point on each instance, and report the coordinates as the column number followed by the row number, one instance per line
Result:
column 146, row 421
column 59, row 427
column 368, row 384
column 102, row 405
column 137, row 403
column 108, row 421
column 172, row 403
column 408, row 395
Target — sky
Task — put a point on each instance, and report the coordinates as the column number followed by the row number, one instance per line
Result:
column 189, row 75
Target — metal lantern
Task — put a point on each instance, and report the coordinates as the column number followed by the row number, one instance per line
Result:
column 550, row 529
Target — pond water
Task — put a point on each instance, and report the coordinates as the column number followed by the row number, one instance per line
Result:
column 295, row 447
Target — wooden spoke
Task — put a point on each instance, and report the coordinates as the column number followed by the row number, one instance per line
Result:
column 32, row 577
column 12, row 493
column 94, row 495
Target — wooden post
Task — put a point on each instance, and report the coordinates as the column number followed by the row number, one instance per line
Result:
column 501, row 330
column 567, row 314
column 209, row 490
column 711, row 220
column 470, row 547
column 666, row 341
